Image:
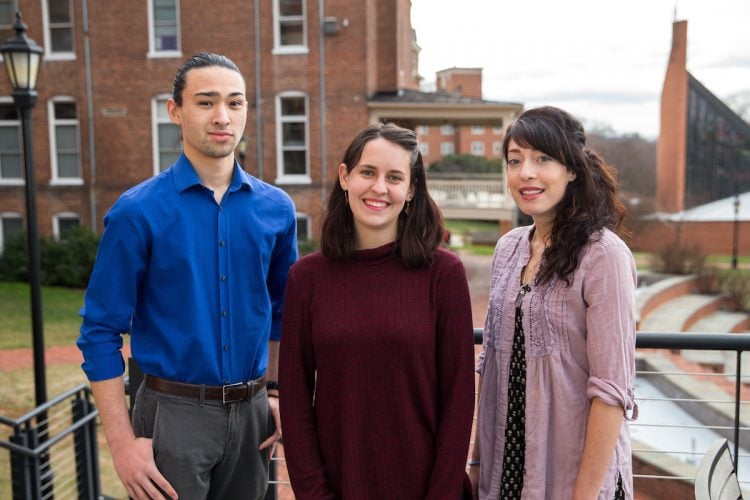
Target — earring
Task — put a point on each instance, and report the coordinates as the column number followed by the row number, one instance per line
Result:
column 346, row 196
column 407, row 207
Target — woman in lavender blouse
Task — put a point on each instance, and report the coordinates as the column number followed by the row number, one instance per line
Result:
column 557, row 366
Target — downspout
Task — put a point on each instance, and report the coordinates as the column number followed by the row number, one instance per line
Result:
column 90, row 113
column 258, row 117
column 323, row 137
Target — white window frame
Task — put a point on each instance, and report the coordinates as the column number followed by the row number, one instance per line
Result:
column 497, row 148
column 279, row 49
column 17, row 123
column 49, row 55
column 3, row 216
column 424, row 148
column 156, row 102
column 497, row 130
column 56, row 222
column 445, row 145
column 477, row 148
column 152, row 52
column 423, row 130
column 477, row 130
column 56, row 180
column 447, row 129
column 281, row 176
column 306, row 219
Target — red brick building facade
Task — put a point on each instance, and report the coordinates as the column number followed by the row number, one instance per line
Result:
column 100, row 127
column 451, row 138
column 703, row 166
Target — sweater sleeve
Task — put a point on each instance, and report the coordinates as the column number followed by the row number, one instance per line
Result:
column 455, row 359
column 296, row 389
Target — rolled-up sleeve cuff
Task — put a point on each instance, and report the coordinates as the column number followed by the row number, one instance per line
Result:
column 104, row 367
column 613, row 395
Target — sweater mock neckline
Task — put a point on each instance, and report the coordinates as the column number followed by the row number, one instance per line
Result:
column 375, row 255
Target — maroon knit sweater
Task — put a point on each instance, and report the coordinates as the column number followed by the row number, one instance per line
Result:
column 389, row 414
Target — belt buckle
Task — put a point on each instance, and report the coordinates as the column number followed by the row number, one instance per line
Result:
column 226, row 388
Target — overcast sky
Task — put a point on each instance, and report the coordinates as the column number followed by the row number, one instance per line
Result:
column 602, row 60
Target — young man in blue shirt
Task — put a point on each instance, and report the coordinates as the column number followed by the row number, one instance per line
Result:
column 192, row 264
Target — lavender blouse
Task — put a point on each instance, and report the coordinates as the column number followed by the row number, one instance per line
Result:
column 580, row 344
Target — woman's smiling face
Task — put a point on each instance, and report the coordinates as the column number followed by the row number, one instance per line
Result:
column 536, row 181
column 378, row 187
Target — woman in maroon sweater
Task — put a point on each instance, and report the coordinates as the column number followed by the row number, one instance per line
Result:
column 375, row 374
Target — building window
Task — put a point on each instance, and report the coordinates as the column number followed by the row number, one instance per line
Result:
column 424, row 148
column 9, row 223
column 497, row 130
column 477, row 130
column 164, row 28
column 447, row 148
column 497, row 148
column 11, row 172
column 303, row 227
column 290, row 28
column 291, row 138
column 58, row 29
column 166, row 135
column 423, row 130
column 64, row 141
column 64, row 222
column 447, row 130
column 477, row 148
column 7, row 18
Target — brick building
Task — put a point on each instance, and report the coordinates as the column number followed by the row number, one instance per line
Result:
column 451, row 138
column 100, row 124
column 703, row 166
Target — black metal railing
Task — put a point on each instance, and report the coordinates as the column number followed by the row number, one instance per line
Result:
column 53, row 448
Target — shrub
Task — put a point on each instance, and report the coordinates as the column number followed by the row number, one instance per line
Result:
column 673, row 258
column 69, row 262
column 14, row 261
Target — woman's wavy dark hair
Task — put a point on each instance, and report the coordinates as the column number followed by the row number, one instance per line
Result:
column 590, row 202
column 419, row 232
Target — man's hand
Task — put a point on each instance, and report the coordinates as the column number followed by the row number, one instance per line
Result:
column 273, row 406
column 134, row 463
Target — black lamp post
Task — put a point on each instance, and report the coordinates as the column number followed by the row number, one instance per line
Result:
column 22, row 57
column 736, row 230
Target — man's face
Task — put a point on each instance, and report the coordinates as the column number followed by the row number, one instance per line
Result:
column 213, row 112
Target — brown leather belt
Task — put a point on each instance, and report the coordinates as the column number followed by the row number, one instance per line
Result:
column 224, row 393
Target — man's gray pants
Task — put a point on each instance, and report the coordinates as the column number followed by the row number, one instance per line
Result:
column 209, row 450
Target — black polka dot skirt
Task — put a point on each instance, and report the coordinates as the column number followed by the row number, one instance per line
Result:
column 514, row 459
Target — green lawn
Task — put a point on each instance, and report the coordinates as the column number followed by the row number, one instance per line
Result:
column 60, row 314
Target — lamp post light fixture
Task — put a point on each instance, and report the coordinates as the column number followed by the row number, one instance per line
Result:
column 736, row 230
column 22, row 57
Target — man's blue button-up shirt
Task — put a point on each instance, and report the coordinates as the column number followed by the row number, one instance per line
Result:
column 198, row 285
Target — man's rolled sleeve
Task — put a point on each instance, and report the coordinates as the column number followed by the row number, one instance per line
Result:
column 111, row 294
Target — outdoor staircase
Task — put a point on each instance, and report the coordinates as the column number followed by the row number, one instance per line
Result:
column 673, row 304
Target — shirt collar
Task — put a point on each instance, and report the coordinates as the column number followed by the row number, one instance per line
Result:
column 186, row 177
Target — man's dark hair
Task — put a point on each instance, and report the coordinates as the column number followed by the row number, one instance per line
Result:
column 202, row 60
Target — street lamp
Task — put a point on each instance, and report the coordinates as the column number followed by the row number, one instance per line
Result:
column 22, row 56
column 736, row 230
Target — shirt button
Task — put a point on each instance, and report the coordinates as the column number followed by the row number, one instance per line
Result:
column 222, row 243
column 226, row 347
column 223, row 277
column 225, row 313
